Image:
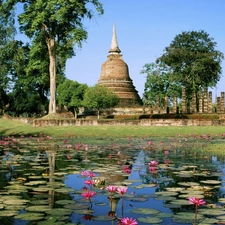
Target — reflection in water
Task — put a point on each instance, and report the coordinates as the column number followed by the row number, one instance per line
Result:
column 52, row 178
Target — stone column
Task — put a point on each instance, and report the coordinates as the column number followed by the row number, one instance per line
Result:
column 210, row 108
column 218, row 104
column 184, row 103
column 205, row 101
column 166, row 104
column 200, row 103
column 222, row 103
column 193, row 103
column 175, row 104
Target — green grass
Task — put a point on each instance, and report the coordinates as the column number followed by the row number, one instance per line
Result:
column 9, row 127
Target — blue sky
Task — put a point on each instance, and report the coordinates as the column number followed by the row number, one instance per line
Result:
column 144, row 28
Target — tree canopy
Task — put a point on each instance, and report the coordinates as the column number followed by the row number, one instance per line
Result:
column 159, row 84
column 100, row 97
column 194, row 61
column 71, row 94
column 59, row 24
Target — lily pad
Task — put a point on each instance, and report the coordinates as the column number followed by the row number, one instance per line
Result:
column 30, row 216
column 65, row 202
column 104, row 218
column 59, row 211
column 8, row 213
column 145, row 211
column 83, row 211
column 137, row 199
column 211, row 182
column 150, row 220
column 38, row 208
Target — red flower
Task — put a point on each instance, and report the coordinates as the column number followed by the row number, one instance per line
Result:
column 88, row 217
column 196, row 201
column 126, row 169
column 88, row 195
column 127, row 221
column 111, row 188
column 122, row 190
column 89, row 182
column 153, row 163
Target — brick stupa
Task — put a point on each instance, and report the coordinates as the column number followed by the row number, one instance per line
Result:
column 115, row 76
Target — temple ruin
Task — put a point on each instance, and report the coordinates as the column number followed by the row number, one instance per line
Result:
column 115, row 76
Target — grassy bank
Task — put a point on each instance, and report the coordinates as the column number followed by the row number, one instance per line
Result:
column 9, row 127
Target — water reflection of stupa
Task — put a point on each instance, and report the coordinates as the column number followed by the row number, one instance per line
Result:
column 115, row 76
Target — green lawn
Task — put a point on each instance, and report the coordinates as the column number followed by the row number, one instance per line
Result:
column 10, row 127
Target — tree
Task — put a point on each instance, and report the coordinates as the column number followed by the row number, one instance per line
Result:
column 159, row 83
column 194, row 61
column 24, row 102
column 100, row 97
column 59, row 22
column 71, row 94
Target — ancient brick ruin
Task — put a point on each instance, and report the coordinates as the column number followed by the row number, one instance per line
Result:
column 115, row 76
column 203, row 105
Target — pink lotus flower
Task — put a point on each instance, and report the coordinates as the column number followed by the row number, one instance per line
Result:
column 85, row 173
column 78, row 146
column 196, row 201
column 122, row 190
column 127, row 221
column 126, row 169
column 111, row 188
column 89, row 182
column 167, row 161
column 150, row 143
column 88, row 194
column 152, row 168
column 86, row 147
column 88, row 174
column 166, row 152
column 153, row 163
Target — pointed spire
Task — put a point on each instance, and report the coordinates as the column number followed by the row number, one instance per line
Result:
column 114, row 49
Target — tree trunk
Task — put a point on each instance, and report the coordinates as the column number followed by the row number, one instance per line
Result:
column 98, row 114
column 75, row 113
column 52, row 71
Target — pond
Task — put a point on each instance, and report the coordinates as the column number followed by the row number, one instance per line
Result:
column 48, row 181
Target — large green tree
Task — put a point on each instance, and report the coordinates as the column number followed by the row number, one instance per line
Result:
column 60, row 24
column 159, row 83
column 194, row 61
column 71, row 94
column 100, row 97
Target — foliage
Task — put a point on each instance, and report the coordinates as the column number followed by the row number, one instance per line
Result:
column 71, row 93
column 24, row 102
column 100, row 97
column 60, row 24
column 159, row 84
column 194, row 61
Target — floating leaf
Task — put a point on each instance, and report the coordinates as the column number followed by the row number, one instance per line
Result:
column 150, row 220
column 104, row 218
column 137, row 199
column 83, row 211
column 145, row 211
column 212, row 182
column 38, row 208
column 30, row 216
